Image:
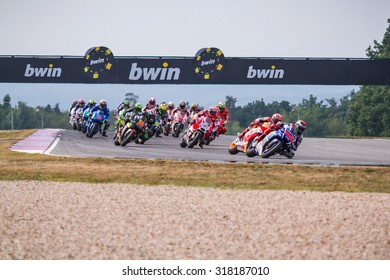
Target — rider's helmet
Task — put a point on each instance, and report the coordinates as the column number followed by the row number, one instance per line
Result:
column 213, row 110
column 103, row 103
column 138, row 107
column 194, row 107
column 300, row 126
column 81, row 102
column 221, row 106
column 74, row 102
column 126, row 104
column 182, row 104
column 152, row 101
column 171, row 105
column 276, row 118
column 91, row 102
column 163, row 107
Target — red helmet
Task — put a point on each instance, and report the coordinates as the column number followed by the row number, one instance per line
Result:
column 81, row 102
column 300, row 126
column 276, row 118
column 213, row 110
column 152, row 101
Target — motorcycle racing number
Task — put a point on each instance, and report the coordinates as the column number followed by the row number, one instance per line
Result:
column 141, row 123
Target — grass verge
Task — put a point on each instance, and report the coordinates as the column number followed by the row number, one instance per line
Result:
column 24, row 166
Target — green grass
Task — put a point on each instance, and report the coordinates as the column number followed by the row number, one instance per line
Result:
column 24, row 166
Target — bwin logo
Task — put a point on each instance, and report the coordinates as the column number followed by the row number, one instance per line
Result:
column 272, row 73
column 42, row 72
column 153, row 74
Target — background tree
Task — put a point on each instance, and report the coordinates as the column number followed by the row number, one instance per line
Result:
column 133, row 98
column 7, row 101
column 369, row 112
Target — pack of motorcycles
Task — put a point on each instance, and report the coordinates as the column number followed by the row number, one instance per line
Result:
column 139, row 128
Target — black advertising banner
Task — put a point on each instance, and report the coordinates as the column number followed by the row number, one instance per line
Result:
column 209, row 66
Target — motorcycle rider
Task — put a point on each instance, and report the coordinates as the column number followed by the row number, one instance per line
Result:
column 298, row 129
column 223, row 113
column 162, row 115
column 80, row 104
column 71, row 110
column 181, row 108
column 125, row 105
column 212, row 114
column 276, row 118
column 151, row 104
column 102, row 106
column 122, row 111
column 194, row 110
column 171, row 107
column 91, row 103
column 131, row 114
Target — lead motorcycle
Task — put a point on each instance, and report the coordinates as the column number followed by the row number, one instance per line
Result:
column 195, row 133
column 240, row 144
column 276, row 142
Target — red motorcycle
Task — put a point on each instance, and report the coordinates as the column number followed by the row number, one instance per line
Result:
column 242, row 144
column 196, row 133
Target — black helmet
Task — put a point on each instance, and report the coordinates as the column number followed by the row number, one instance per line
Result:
column 182, row 104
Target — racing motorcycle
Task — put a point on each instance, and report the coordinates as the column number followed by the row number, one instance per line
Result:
column 196, row 133
column 167, row 127
column 276, row 142
column 86, row 120
column 96, row 121
column 132, row 130
column 178, row 123
column 241, row 144
column 77, row 119
column 153, row 126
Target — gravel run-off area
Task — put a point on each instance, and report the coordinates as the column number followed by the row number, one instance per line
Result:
column 51, row 220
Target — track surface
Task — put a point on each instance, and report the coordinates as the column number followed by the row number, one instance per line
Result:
column 313, row 151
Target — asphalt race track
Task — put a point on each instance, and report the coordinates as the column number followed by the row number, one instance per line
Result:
column 313, row 151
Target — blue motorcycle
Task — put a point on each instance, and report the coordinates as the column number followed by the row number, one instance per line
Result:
column 86, row 120
column 276, row 142
column 96, row 121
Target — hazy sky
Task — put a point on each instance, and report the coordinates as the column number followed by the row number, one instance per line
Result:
column 246, row 28
column 331, row 28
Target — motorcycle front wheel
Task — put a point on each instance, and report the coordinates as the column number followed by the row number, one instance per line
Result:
column 233, row 149
column 195, row 139
column 271, row 148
